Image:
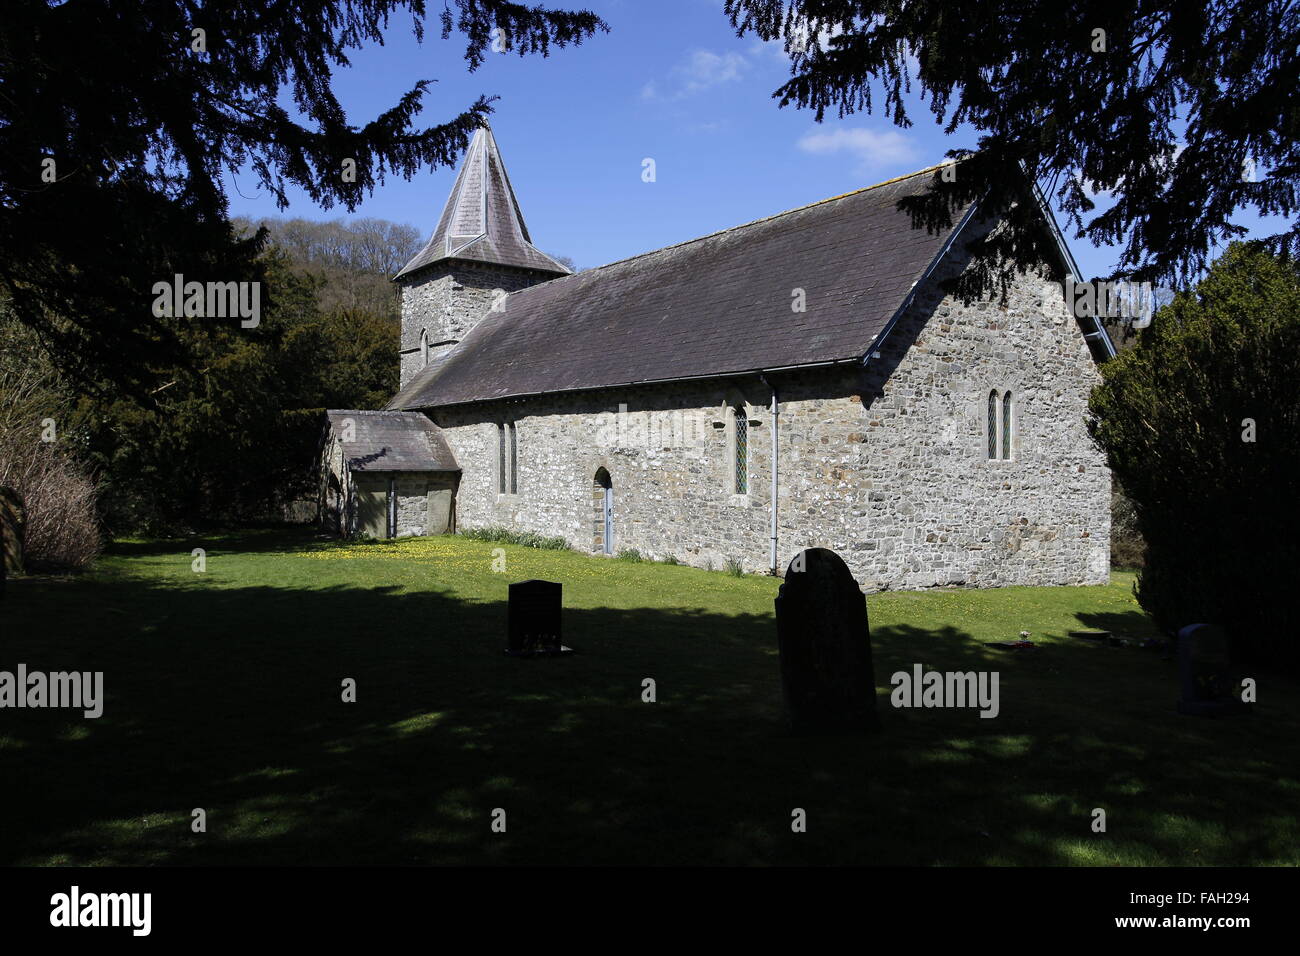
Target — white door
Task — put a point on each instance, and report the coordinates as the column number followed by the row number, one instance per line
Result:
column 609, row 520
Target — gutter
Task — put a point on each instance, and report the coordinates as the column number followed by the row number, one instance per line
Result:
column 739, row 373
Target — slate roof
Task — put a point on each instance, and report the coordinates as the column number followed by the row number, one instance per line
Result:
column 392, row 441
column 715, row 305
column 482, row 221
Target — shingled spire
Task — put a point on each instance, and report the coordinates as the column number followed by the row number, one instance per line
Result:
column 482, row 222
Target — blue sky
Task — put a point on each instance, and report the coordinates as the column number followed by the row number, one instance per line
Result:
column 671, row 81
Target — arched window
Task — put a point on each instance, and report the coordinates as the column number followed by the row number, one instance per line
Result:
column 514, row 459
column 501, row 459
column 602, row 490
column 507, row 458
column 993, row 425
column 1006, row 426
column 424, row 346
column 741, row 445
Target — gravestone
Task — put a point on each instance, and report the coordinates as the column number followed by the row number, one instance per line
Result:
column 1207, row 685
column 533, row 619
column 825, row 642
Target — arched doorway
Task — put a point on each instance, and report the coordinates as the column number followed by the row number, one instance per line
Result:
column 602, row 500
column 334, row 509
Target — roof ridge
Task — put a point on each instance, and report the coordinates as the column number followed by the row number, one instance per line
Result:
column 743, row 225
column 366, row 411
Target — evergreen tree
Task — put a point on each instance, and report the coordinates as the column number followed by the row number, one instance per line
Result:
column 1185, row 112
column 118, row 117
column 1200, row 422
column 234, row 437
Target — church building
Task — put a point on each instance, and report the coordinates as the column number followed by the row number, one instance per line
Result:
column 801, row 380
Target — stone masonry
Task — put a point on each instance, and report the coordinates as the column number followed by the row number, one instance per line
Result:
column 446, row 303
column 885, row 464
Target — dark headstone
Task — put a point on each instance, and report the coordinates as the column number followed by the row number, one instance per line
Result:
column 1204, row 674
column 533, row 619
column 821, row 627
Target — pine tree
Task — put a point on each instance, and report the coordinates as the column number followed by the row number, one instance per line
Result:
column 1200, row 422
column 118, row 117
column 1186, row 112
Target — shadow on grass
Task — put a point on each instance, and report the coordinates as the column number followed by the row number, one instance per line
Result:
column 229, row 700
column 282, row 540
column 1130, row 625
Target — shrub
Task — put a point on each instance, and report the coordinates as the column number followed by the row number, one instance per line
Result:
column 631, row 554
column 62, row 530
column 1200, row 422
column 58, row 495
column 734, row 568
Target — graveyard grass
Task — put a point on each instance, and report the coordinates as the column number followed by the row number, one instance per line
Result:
column 224, row 692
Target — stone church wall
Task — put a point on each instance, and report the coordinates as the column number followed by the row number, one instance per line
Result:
column 887, row 464
column 338, row 506
column 449, row 303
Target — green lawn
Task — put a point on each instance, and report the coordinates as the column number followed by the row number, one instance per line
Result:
column 223, row 692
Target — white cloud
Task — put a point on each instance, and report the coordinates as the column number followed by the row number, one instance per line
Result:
column 870, row 148
column 700, row 71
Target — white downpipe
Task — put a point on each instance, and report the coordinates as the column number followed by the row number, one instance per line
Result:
column 775, row 430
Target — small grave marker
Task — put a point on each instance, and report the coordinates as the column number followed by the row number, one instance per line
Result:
column 1208, row 689
column 533, row 619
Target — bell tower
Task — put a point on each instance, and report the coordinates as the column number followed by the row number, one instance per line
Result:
column 480, row 251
